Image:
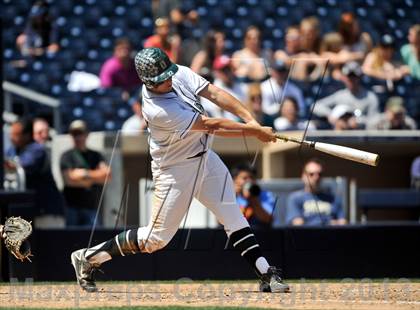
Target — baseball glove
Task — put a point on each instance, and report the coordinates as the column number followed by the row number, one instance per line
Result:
column 15, row 233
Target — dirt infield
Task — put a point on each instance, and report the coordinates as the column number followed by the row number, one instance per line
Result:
column 347, row 294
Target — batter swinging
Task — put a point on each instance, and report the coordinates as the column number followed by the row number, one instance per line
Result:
column 184, row 167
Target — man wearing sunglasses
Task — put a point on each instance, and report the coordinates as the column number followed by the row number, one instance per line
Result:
column 312, row 205
column 184, row 167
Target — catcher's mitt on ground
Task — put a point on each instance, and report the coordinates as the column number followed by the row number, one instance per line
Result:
column 15, row 233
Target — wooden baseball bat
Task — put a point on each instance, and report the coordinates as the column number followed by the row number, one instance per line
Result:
column 345, row 152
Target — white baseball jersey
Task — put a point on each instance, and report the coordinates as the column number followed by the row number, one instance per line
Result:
column 170, row 117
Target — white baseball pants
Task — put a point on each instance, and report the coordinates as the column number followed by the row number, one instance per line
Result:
column 207, row 179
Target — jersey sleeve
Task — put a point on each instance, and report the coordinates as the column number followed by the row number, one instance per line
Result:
column 192, row 80
column 175, row 122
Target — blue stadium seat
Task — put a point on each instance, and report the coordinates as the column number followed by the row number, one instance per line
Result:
column 134, row 16
column 40, row 83
column 10, row 73
column 123, row 111
column 93, row 14
column 57, row 90
column 78, row 47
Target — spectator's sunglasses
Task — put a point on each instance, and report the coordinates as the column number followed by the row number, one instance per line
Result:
column 311, row 174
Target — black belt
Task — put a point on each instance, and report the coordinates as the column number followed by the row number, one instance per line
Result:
column 197, row 155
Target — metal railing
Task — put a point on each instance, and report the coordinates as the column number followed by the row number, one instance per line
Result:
column 14, row 89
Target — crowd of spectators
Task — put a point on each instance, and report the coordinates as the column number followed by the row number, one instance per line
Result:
column 345, row 55
column 271, row 83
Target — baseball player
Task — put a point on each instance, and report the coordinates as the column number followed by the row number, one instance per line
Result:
column 184, row 167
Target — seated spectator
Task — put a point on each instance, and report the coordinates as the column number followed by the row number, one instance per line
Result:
column 41, row 130
column 161, row 39
column 343, row 118
column 33, row 158
column 250, row 63
column 410, row 52
column 119, row 70
column 415, row 173
column 380, row 64
column 225, row 79
column 84, row 173
column 364, row 103
column 256, row 204
column 289, row 117
column 332, row 48
column 306, row 64
column 136, row 123
column 313, row 206
column 41, row 34
column 275, row 88
column 291, row 47
column 293, row 56
column 179, row 14
column 393, row 118
column 254, row 103
column 354, row 39
column 213, row 47
column 310, row 35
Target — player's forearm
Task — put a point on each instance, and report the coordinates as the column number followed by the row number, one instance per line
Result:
column 227, row 102
column 226, row 127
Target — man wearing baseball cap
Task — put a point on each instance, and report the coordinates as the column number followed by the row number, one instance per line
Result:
column 84, row 172
column 394, row 117
column 363, row 102
column 275, row 89
column 184, row 167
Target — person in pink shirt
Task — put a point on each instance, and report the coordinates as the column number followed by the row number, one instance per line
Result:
column 119, row 70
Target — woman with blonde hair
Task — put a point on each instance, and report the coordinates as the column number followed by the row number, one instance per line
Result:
column 379, row 63
column 410, row 52
column 310, row 32
column 353, row 38
column 332, row 48
column 250, row 63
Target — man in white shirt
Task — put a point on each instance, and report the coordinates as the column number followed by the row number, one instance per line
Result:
column 226, row 80
column 184, row 167
column 277, row 87
column 362, row 102
column 135, row 123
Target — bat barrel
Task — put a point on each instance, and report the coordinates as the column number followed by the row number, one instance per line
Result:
column 349, row 153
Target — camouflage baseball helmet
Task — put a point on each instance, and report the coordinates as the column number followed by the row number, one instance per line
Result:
column 153, row 66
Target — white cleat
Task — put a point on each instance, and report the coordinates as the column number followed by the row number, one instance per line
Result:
column 84, row 271
column 271, row 282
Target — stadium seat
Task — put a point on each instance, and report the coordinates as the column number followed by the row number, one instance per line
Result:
column 387, row 199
